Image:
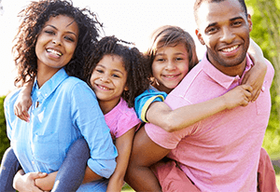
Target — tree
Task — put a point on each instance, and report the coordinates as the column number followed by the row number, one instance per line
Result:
column 266, row 32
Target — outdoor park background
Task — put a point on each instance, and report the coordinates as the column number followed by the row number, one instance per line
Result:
column 134, row 22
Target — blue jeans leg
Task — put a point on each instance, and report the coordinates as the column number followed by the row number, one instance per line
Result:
column 9, row 167
column 72, row 171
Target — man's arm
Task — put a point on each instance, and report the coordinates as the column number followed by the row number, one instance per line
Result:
column 144, row 154
column 160, row 114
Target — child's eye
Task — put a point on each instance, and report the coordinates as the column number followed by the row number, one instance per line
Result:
column 99, row 70
column 115, row 75
column 160, row 60
column 179, row 58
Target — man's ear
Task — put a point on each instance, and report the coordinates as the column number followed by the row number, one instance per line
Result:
column 250, row 23
column 199, row 36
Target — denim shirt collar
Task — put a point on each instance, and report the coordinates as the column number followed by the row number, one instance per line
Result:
column 50, row 85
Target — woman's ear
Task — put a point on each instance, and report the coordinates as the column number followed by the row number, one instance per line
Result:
column 126, row 88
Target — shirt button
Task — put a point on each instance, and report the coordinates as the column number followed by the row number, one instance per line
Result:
column 46, row 95
column 33, row 162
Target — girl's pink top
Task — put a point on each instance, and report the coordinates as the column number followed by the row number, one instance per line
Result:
column 121, row 119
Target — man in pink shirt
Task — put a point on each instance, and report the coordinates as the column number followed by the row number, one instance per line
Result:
column 220, row 153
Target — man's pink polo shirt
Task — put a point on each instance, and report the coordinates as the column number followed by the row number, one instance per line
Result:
column 220, row 153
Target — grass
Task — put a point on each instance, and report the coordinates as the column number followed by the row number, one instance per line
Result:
column 126, row 187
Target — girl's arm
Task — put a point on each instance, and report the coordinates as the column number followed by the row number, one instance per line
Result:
column 26, row 182
column 24, row 101
column 46, row 183
column 255, row 76
column 124, row 145
column 170, row 120
column 90, row 176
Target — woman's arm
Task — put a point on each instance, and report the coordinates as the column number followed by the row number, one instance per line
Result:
column 255, row 76
column 170, row 120
column 23, row 102
column 124, row 145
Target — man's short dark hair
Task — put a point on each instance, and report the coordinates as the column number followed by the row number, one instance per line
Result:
column 198, row 3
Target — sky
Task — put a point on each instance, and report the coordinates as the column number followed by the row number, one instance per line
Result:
column 133, row 22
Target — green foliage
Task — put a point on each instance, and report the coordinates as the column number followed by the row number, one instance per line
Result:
column 3, row 136
column 266, row 33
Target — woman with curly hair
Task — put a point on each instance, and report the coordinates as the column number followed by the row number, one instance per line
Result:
column 52, row 43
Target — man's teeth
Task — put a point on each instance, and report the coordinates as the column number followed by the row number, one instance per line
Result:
column 230, row 49
column 54, row 52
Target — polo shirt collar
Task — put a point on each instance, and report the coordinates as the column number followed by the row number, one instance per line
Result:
column 221, row 78
column 50, row 85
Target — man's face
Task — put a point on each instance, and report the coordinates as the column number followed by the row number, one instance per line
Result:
column 224, row 28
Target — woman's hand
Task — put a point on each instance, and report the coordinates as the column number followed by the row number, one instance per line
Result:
column 26, row 182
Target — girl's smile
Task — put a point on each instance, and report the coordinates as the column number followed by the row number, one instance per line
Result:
column 108, row 79
column 170, row 66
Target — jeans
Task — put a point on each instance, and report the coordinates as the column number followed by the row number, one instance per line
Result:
column 69, row 177
column 9, row 167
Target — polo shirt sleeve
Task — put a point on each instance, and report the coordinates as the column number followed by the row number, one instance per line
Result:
column 89, row 119
column 170, row 140
column 143, row 101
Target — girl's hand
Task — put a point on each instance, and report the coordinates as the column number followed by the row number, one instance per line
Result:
column 46, row 183
column 26, row 182
column 239, row 96
column 22, row 106
column 255, row 78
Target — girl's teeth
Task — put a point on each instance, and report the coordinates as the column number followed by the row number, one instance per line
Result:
column 104, row 88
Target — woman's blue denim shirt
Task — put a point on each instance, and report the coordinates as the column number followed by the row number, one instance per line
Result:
column 63, row 110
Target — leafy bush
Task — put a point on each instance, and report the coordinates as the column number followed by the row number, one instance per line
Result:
column 3, row 136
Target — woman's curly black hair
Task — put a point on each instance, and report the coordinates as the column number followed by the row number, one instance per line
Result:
column 34, row 17
column 134, row 63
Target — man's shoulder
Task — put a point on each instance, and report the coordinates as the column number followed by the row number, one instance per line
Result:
column 195, row 75
column 270, row 68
